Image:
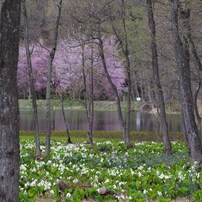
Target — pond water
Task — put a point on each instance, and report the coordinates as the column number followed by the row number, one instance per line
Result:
column 102, row 121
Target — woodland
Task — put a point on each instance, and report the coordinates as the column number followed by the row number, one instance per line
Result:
column 101, row 50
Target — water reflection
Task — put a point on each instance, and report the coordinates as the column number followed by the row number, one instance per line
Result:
column 102, row 121
column 138, row 121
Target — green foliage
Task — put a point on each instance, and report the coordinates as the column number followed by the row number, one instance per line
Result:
column 141, row 173
column 198, row 195
column 108, row 135
column 104, row 147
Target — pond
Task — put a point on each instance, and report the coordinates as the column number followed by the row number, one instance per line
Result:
column 104, row 120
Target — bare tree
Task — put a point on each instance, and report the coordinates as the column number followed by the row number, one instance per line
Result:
column 50, row 67
column 155, row 70
column 61, row 98
column 124, row 44
column 118, row 102
column 31, row 79
column 88, row 97
column 9, row 110
column 197, row 61
column 182, row 56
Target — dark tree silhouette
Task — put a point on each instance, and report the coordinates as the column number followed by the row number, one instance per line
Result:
column 9, row 110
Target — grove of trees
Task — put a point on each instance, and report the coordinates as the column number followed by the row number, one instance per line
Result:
column 99, row 50
column 109, row 48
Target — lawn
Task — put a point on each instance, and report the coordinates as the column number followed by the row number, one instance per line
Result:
column 107, row 171
column 76, row 105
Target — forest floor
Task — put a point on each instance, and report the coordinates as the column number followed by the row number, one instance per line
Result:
column 108, row 172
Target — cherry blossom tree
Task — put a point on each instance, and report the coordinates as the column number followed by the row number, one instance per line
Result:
column 39, row 67
column 67, row 69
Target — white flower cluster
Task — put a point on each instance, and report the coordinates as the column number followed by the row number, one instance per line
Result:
column 79, row 164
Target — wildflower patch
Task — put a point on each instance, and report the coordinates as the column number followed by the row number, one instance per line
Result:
column 108, row 172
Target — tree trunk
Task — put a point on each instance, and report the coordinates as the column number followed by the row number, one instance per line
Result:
column 125, row 49
column 31, row 80
column 89, row 104
column 124, row 44
column 118, row 103
column 9, row 110
column 48, row 88
column 183, row 65
column 187, row 26
column 158, row 88
column 65, row 120
column 195, row 96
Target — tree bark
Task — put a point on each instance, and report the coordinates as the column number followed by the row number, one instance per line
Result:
column 65, row 120
column 48, row 88
column 125, row 49
column 89, row 102
column 158, row 88
column 118, row 102
column 31, row 79
column 124, row 44
column 9, row 110
column 188, row 31
column 195, row 96
column 183, row 64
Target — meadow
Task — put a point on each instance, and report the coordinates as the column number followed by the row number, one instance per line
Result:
column 107, row 171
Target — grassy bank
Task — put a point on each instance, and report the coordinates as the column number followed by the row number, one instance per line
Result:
column 80, row 136
column 76, row 105
column 105, row 105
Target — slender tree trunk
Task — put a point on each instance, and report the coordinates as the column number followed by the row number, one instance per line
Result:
column 183, row 65
column 123, row 42
column 48, row 88
column 118, row 103
column 126, row 52
column 9, row 110
column 89, row 104
column 142, row 90
column 31, row 80
column 149, row 92
column 158, row 88
column 183, row 123
column 195, row 96
column 65, row 120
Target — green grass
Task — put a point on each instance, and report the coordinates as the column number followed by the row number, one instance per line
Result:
column 104, row 105
column 80, row 135
column 76, row 105
column 27, row 104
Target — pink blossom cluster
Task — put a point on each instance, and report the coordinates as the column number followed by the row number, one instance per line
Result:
column 67, row 68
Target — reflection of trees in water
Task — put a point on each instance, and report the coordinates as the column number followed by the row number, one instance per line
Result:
column 53, row 119
column 103, row 121
column 174, row 122
column 111, row 121
column 106, row 121
column 138, row 121
column 26, row 120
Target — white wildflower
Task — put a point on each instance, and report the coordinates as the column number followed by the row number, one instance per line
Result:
column 159, row 193
column 75, row 180
column 68, row 195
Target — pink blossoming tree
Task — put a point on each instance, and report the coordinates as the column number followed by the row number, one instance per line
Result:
column 67, row 69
